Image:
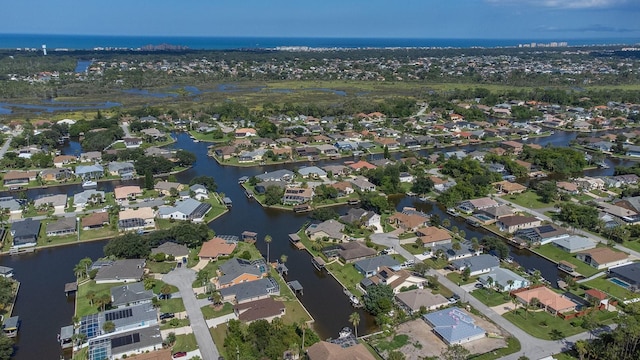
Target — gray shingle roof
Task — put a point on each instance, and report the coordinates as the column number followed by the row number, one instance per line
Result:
column 453, row 324
column 236, row 267
column 82, row 197
column 130, row 293
column 476, row 263
column 122, row 269
column 373, row 264
column 249, row 290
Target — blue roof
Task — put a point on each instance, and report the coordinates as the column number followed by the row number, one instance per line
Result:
column 453, row 325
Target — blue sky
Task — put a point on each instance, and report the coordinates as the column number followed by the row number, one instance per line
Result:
column 495, row 19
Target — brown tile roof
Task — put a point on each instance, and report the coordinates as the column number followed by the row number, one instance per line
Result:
column 409, row 221
column 164, row 354
column 547, row 298
column 355, row 250
column 16, row 175
column 328, row 351
column 431, row 234
column 216, row 247
column 596, row 294
column 362, row 164
column 94, row 219
column 514, row 220
column 259, row 309
column 605, row 255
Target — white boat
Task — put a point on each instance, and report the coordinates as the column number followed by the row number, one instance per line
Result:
column 525, row 137
column 88, row 184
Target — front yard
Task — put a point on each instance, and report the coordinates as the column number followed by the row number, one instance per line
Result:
column 185, row 343
column 490, row 297
column 530, row 200
column 543, row 325
column 171, row 305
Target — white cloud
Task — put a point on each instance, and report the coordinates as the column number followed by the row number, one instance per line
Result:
column 564, row 4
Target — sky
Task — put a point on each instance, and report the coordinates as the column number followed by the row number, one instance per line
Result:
column 429, row 19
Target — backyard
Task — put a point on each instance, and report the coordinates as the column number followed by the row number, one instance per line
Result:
column 556, row 254
column 610, row 288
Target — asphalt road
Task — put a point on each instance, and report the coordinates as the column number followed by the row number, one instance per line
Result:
column 183, row 278
column 5, row 146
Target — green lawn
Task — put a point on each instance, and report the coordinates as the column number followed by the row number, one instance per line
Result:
column 173, row 323
column 185, row 343
column 436, row 263
column 171, row 305
column 160, row 267
column 490, row 297
column 347, row 275
column 158, row 284
column 83, row 305
column 209, row 312
column 513, row 346
column 611, row 288
column 632, row 244
column 529, row 199
column 456, row 277
column 218, row 334
column 414, row 248
column 541, row 324
column 556, row 254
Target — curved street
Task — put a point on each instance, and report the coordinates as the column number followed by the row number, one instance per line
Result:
column 183, row 278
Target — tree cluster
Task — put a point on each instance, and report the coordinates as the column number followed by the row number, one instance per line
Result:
column 560, row 160
column 581, row 216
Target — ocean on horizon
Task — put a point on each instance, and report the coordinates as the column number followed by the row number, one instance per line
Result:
column 88, row 42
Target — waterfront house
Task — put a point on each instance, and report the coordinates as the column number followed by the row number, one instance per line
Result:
column 361, row 183
column 330, row 229
column 88, row 197
column 542, row 234
column 91, row 156
column 476, row 264
column 251, row 156
column 124, row 270
column 127, row 192
column 312, row 172
column 433, row 235
column 226, row 152
column 451, row 254
column 199, row 192
column 409, row 222
column 135, row 332
column 568, row 187
column 296, row 195
column 514, row 223
column 454, row 326
column 179, row 252
column 95, row 171
column 14, row 206
column 503, row 280
column 136, row 219
column 245, row 132
column 263, row 309
column 95, row 220
column 187, row 209
column 370, row 266
column 278, row 175
column 472, row 205
column 357, row 166
column 396, row 278
column 153, row 134
column 132, row 142
column 327, row 149
column 61, row 160
column 353, row 251
column 361, row 217
column 13, row 178
column 509, row 188
column 61, row 227
column 62, row 174
column 25, row 232
column 58, row 202
column 629, row 274
column 512, row 147
column 324, row 350
column 215, row 248
column 574, row 243
column 244, row 292
column 130, row 294
column 336, row 170
column 236, row 271
column 602, row 258
column 413, row 301
column 548, row 299
column 125, row 170
column 344, row 188
column 164, row 187
column 6, row 272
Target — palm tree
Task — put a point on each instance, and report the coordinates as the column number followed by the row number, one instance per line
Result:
column 490, row 282
column 104, row 300
column 109, row 327
column 267, row 240
column 581, row 348
column 446, row 223
column 283, row 258
column 510, row 283
column 354, row 318
column 91, row 295
column 303, row 327
column 165, row 290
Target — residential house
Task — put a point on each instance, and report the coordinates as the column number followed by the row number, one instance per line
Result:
column 589, row 183
column 508, row 187
column 125, row 170
column 14, row 206
column 137, row 317
column 143, row 343
column 629, row 274
column 252, row 156
column 127, row 192
column 503, row 280
column 61, row 227
column 542, row 234
column 91, row 156
column 278, row 175
column 568, row 187
column 327, row 149
column 13, row 177
column 187, row 209
column 344, row 188
column 215, row 248
column 454, row 326
column 95, row 171
column 179, row 252
column 433, row 235
column 87, row 198
column 324, row 350
column 409, row 222
column 602, row 258
column 124, row 270
column 330, row 229
column 130, row 294
column 406, row 177
column 574, row 244
column 199, row 192
column 132, row 143
column 245, row 132
column 261, row 187
column 472, row 205
column 512, row 147
column 139, row 219
column 164, row 187
column 549, row 300
column 370, row 266
column 336, row 170
column 450, row 253
column 236, row 271
column 61, row 174
column 225, row 152
column 312, row 172
column 263, row 309
column 361, row 165
column 358, row 216
column 61, row 160
column 496, row 213
column 396, row 278
column 25, row 232
column 244, row 292
column 477, row 264
column 95, row 220
column 513, row 223
column 352, row 251
column 296, row 195
column 58, row 202
column 361, row 183
column 153, row 134
column 413, row 301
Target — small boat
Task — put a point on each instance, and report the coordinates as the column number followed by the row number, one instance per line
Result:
column 89, row 184
column 345, row 332
column 452, row 212
column 525, row 137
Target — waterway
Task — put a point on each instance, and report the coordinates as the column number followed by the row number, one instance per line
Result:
column 44, row 308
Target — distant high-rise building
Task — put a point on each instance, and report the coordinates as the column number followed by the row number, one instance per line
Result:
column 44, row 49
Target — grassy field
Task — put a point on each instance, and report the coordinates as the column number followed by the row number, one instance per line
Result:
column 456, row 277
column 347, row 275
column 174, row 324
column 83, row 305
column 611, row 288
column 171, row 305
column 513, row 345
column 218, row 334
column 160, row 267
column 414, row 248
column 209, row 312
column 490, row 297
column 530, row 200
column 185, row 343
column 543, row 325
column 556, row 254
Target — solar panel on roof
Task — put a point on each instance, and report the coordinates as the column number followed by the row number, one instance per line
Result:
column 545, row 229
column 120, row 314
column 125, row 340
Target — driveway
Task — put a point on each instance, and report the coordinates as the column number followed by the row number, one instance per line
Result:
column 183, row 278
column 5, row 146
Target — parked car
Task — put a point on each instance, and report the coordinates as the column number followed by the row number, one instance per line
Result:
column 164, row 296
column 479, row 286
column 179, row 354
column 165, row 316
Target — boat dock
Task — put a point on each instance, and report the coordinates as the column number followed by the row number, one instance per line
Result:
column 318, row 263
column 70, row 288
column 227, row 202
column 296, row 287
column 355, row 302
column 15, row 251
column 295, row 240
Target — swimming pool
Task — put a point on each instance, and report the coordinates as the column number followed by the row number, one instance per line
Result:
column 619, row 282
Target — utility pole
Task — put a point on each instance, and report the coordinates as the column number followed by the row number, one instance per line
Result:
column 237, row 353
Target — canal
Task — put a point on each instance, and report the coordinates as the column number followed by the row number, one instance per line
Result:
column 43, row 307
